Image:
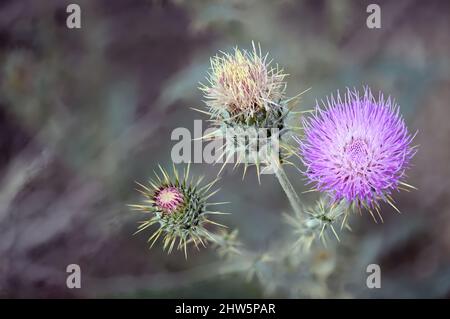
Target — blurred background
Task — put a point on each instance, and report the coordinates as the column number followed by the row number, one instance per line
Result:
column 84, row 113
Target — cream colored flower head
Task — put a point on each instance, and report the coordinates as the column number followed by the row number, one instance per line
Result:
column 243, row 86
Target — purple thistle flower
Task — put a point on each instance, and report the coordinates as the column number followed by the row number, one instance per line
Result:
column 357, row 148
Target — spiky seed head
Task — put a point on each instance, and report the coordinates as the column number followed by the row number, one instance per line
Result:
column 357, row 148
column 180, row 208
column 243, row 87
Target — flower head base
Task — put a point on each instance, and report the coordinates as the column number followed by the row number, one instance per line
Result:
column 180, row 208
column 357, row 149
column 243, row 88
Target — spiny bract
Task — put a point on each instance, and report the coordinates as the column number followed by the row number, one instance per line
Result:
column 357, row 149
column 179, row 206
column 321, row 218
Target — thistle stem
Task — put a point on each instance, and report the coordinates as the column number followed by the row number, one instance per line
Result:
column 286, row 185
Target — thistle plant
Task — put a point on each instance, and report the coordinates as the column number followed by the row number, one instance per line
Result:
column 357, row 149
column 179, row 206
column 245, row 96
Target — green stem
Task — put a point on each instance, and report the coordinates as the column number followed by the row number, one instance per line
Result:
column 286, row 185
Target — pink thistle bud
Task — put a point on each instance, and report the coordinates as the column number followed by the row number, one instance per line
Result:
column 169, row 199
